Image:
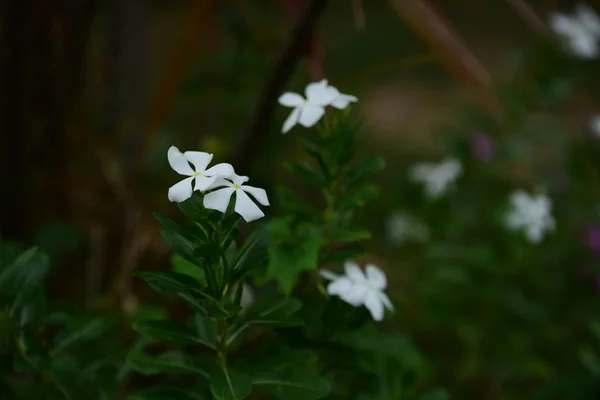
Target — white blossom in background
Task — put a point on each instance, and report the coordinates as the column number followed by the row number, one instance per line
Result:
column 531, row 214
column 581, row 30
column 244, row 205
column 437, row 178
column 308, row 111
column 595, row 125
column 247, row 298
column 359, row 289
column 402, row 228
column 201, row 177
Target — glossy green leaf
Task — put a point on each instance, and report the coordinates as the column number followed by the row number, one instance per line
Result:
column 363, row 168
column 298, row 252
column 181, row 285
column 292, row 383
column 226, row 384
column 172, row 362
column 173, row 332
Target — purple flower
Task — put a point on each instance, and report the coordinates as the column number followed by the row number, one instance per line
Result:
column 482, row 146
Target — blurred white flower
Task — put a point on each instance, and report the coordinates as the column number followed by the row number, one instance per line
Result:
column 247, row 295
column 201, row 177
column 437, row 178
column 307, row 112
column 244, row 205
column 358, row 289
column 530, row 214
column 595, row 125
column 581, row 30
column 401, row 228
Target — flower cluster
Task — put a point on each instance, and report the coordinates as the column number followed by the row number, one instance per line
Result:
column 359, row 289
column 530, row 214
column 308, row 111
column 580, row 31
column 220, row 179
column 437, row 178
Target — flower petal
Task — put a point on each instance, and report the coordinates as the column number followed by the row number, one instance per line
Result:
column 246, row 207
column 259, row 194
column 332, row 276
column 386, row 301
column 203, row 183
column 199, row 159
column 356, row 295
column 220, row 182
column 584, row 45
column 320, row 94
column 179, row 162
column 310, row 115
column 354, row 272
column 376, row 277
column 588, row 18
column 562, row 24
column 374, row 305
column 181, row 191
column 342, row 101
column 339, row 286
column 290, row 99
column 239, row 179
column 222, row 170
column 291, row 120
column 219, row 199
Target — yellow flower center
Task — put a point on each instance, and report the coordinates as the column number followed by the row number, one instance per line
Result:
column 197, row 174
column 235, row 185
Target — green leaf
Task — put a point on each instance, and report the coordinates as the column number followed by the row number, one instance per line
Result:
column 293, row 249
column 292, row 204
column 364, row 168
column 306, row 173
column 172, row 362
column 589, row 359
column 166, row 393
column 183, row 286
column 205, row 328
column 226, row 384
column 358, row 197
column 29, row 268
column 81, row 331
column 437, row 394
column 173, row 332
column 183, row 238
column 193, row 208
column 185, row 267
column 253, row 254
column 292, row 384
column 351, row 235
column 342, row 253
column 269, row 312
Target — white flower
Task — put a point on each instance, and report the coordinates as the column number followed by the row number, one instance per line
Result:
column 201, row 177
column 244, row 206
column 530, row 214
column 581, row 30
column 307, row 112
column 436, row 177
column 595, row 125
column 247, row 295
column 357, row 289
column 401, row 228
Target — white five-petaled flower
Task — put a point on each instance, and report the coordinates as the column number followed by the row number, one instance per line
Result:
column 307, row 112
column 244, row 206
column 401, row 228
column 436, row 177
column 358, row 289
column 581, row 30
column 530, row 214
column 595, row 125
column 200, row 176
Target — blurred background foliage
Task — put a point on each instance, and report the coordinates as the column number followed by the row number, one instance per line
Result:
column 94, row 92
